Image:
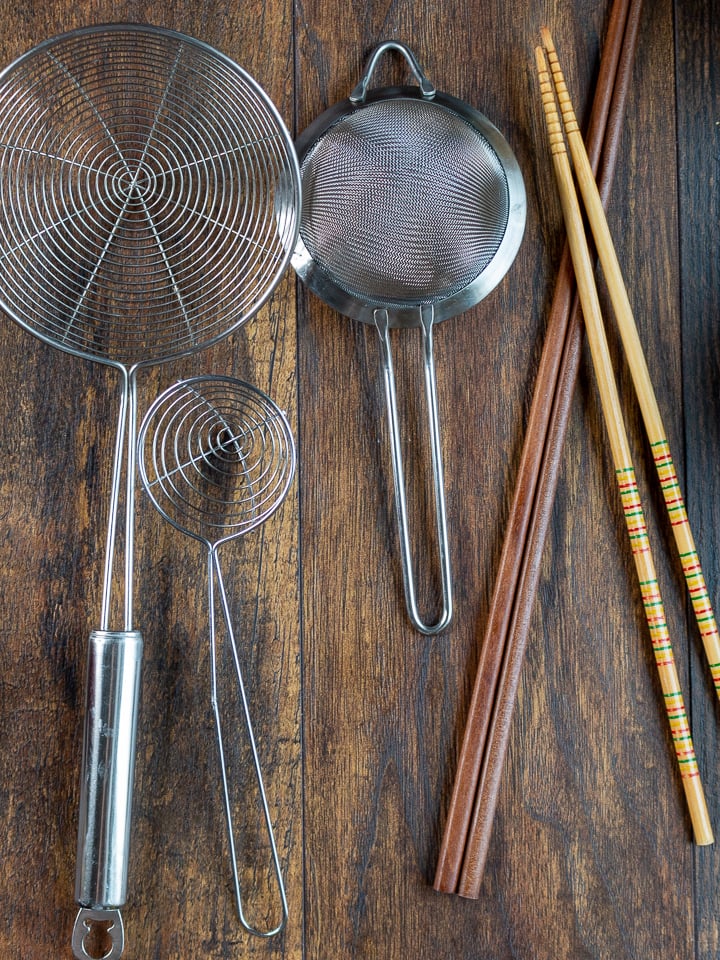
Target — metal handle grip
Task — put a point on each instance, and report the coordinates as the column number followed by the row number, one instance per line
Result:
column 112, row 693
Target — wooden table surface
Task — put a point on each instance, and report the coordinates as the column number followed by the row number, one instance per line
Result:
column 359, row 719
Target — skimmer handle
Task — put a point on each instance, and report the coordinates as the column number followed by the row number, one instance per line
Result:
column 360, row 92
column 215, row 579
column 112, row 694
column 382, row 324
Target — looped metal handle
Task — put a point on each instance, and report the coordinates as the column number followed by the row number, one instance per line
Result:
column 360, row 92
column 215, row 578
column 382, row 324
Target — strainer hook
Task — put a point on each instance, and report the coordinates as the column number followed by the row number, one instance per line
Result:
column 383, row 327
column 426, row 87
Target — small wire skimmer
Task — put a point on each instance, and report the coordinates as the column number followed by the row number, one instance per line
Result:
column 217, row 458
column 413, row 210
column 149, row 200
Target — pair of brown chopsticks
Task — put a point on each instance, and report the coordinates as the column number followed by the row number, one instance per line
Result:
column 554, row 92
column 469, row 822
column 470, row 815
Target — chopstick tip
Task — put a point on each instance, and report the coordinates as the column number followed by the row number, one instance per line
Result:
column 547, row 39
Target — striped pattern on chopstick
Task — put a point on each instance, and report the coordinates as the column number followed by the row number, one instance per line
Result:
column 689, row 559
column 625, row 474
column 657, row 624
column 680, row 730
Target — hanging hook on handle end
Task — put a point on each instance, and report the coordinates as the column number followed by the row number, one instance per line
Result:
column 114, row 932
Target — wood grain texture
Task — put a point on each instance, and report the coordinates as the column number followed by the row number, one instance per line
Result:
column 359, row 719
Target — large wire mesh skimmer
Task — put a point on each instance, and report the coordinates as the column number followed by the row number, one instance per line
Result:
column 149, row 200
column 413, row 210
column 217, row 457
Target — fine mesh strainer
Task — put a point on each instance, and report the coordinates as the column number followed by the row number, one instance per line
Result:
column 149, row 201
column 413, row 210
column 217, row 457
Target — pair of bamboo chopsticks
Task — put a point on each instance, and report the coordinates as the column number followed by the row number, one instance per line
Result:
column 610, row 402
column 468, row 826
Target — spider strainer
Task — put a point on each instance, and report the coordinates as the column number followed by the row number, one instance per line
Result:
column 413, row 210
column 149, row 199
column 217, row 457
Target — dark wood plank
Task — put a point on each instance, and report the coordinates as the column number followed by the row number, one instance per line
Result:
column 698, row 87
column 58, row 416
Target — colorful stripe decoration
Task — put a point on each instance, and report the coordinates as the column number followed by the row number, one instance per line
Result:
column 619, row 445
column 689, row 559
column 655, row 616
column 680, row 729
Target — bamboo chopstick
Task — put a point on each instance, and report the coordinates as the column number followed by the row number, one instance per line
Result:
column 654, row 427
column 502, row 650
column 632, row 507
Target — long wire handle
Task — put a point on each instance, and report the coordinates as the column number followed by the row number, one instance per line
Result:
column 215, row 576
column 443, row 620
column 125, row 439
column 652, row 418
column 632, row 507
column 111, row 535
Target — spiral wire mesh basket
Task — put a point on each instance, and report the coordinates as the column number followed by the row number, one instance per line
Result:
column 217, row 457
column 139, row 170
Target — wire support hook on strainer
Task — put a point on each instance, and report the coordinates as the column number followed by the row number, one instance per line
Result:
column 217, row 458
column 413, row 209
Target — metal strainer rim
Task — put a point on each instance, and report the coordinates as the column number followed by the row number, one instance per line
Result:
column 403, row 314
column 218, row 330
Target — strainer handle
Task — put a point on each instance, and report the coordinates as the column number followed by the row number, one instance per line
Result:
column 112, row 694
column 360, row 92
column 215, row 579
column 383, row 328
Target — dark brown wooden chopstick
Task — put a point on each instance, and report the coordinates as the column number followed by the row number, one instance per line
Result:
column 469, row 822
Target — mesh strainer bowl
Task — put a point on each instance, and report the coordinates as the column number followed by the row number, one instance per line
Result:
column 148, row 193
column 413, row 210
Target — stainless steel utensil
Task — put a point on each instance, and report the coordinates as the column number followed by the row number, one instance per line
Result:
column 216, row 458
column 413, row 211
column 149, row 197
